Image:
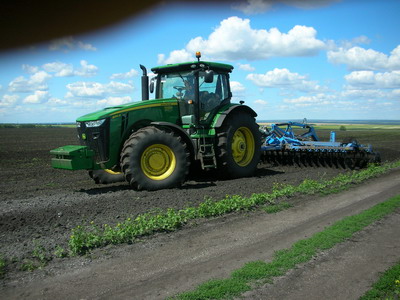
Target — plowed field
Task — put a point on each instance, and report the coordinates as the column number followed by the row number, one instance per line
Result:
column 41, row 205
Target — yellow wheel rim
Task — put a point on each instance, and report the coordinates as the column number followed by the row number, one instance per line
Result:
column 158, row 162
column 112, row 172
column 243, row 146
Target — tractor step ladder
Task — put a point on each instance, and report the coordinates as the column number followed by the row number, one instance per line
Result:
column 207, row 156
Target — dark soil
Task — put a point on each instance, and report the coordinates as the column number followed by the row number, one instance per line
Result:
column 40, row 205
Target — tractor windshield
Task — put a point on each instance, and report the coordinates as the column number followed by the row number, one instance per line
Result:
column 181, row 86
column 176, row 85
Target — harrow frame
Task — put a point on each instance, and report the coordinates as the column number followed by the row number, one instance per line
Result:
column 282, row 146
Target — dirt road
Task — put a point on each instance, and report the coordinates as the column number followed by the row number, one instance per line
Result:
column 170, row 263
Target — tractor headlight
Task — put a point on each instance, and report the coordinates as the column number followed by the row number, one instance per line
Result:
column 94, row 123
column 78, row 124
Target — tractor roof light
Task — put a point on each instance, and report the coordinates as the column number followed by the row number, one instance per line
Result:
column 198, row 55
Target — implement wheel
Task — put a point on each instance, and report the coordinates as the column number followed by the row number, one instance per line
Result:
column 239, row 146
column 106, row 176
column 154, row 159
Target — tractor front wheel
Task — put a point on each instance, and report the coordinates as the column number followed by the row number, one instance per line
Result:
column 154, row 159
column 239, row 146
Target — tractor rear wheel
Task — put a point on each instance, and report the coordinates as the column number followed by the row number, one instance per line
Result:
column 239, row 146
column 106, row 176
column 154, row 159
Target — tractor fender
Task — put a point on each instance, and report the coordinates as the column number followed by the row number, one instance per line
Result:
column 237, row 108
column 178, row 130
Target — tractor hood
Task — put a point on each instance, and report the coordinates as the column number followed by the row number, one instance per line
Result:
column 115, row 110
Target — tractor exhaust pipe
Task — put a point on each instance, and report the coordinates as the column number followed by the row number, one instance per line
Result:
column 145, row 84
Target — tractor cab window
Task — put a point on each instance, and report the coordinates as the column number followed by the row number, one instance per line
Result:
column 181, row 87
column 212, row 94
column 176, row 85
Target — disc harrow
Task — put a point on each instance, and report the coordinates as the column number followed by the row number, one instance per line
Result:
column 282, row 146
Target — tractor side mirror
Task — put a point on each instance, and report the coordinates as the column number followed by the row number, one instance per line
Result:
column 209, row 76
column 152, row 85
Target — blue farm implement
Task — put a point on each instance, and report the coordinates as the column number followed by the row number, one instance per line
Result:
column 282, row 144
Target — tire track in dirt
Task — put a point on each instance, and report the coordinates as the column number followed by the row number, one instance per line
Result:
column 346, row 271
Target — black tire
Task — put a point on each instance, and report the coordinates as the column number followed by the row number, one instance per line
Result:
column 106, row 176
column 239, row 146
column 154, row 159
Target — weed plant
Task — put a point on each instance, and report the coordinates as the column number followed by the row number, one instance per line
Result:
column 39, row 258
column 60, row 252
column 87, row 237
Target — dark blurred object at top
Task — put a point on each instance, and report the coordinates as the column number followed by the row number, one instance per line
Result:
column 25, row 22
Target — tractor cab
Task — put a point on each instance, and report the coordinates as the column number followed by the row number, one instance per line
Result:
column 201, row 88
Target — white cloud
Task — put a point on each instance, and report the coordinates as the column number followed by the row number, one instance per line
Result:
column 357, row 58
column 57, row 102
column 59, row 68
column 119, row 88
column 85, row 89
column 253, row 6
column 261, row 102
column 113, row 101
column 283, row 78
column 130, row 74
column 344, row 45
column 87, row 104
column 237, row 87
column 30, row 69
column 37, row 81
column 234, row 39
column 319, row 99
column 260, row 6
column 365, row 94
column 396, row 93
column 86, row 70
column 371, row 80
column 69, row 43
column 66, row 70
column 176, row 56
column 362, row 39
column 8, row 100
column 309, row 4
column 246, row 67
column 37, row 97
column 95, row 89
column 86, row 46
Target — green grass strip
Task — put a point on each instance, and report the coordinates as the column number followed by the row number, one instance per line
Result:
column 284, row 260
column 87, row 237
column 387, row 287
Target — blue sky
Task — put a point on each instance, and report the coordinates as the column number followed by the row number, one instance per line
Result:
column 325, row 59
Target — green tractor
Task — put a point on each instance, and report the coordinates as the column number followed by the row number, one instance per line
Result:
column 153, row 143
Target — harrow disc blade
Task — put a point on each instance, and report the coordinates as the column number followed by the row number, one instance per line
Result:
column 306, row 158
